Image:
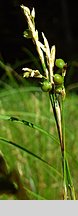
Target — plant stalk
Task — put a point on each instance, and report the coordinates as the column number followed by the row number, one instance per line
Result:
column 58, row 110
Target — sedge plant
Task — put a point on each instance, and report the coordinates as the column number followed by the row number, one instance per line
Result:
column 51, row 81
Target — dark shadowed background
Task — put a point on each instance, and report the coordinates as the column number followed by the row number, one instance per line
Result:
column 58, row 19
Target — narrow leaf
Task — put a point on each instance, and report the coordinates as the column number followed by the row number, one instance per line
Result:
column 29, row 152
column 29, row 124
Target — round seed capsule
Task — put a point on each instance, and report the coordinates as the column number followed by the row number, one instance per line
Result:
column 46, row 86
column 58, row 90
column 58, row 79
column 60, row 63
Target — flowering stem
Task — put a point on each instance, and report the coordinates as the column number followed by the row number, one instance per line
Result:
column 56, row 99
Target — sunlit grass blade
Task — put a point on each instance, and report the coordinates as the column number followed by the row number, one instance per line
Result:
column 29, row 124
column 68, row 180
column 34, row 195
column 30, row 153
column 10, row 91
column 75, row 161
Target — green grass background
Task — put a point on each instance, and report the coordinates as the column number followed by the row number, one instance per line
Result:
column 38, row 180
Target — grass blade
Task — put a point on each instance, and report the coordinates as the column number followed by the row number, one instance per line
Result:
column 29, row 124
column 30, row 153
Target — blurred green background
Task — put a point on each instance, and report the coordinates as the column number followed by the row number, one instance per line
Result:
column 37, row 179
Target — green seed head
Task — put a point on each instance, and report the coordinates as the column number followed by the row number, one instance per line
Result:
column 46, row 86
column 60, row 63
column 58, row 90
column 58, row 79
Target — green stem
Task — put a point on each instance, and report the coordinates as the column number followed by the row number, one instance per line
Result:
column 58, row 110
column 57, row 115
column 68, row 184
column 68, row 181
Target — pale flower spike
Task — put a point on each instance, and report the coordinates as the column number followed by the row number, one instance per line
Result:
column 33, row 13
column 35, row 38
column 26, row 9
column 42, row 49
column 31, row 73
column 52, row 61
column 46, row 45
column 50, row 56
